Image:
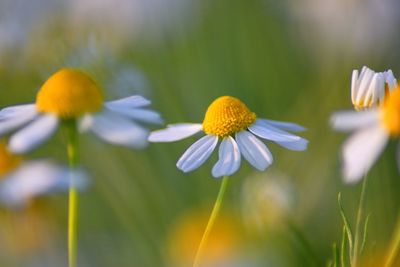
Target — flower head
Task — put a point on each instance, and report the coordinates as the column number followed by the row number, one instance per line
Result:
column 22, row 180
column 369, row 88
column 372, row 129
column 72, row 94
column 228, row 119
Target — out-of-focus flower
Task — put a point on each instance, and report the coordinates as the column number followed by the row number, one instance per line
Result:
column 351, row 25
column 267, row 201
column 71, row 94
column 372, row 129
column 22, row 181
column 222, row 248
column 369, row 88
column 227, row 117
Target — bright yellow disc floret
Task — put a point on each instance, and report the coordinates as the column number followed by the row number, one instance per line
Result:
column 227, row 115
column 69, row 93
column 391, row 113
column 8, row 161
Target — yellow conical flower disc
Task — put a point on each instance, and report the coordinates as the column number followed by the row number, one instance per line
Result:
column 227, row 115
column 69, row 93
column 391, row 112
column 8, row 161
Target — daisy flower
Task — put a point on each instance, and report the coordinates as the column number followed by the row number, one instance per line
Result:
column 371, row 130
column 71, row 94
column 229, row 120
column 22, row 180
column 368, row 88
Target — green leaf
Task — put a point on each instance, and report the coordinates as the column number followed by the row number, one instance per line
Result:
column 347, row 227
column 365, row 233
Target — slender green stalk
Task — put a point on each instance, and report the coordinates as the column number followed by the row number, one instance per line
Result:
column 211, row 221
column 73, row 159
column 394, row 246
column 357, row 238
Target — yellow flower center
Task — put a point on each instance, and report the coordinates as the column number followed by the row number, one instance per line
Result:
column 69, row 93
column 8, row 161
column 391, row 112
column 227, row 115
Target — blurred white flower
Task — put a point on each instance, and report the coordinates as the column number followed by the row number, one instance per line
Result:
column 357, row 25
column 267, row 200
column 372, row 129
column 71, row 94
column 368, row 89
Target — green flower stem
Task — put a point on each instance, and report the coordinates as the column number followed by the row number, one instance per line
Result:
column 211, row 221
column 73, row 159
column 357, row 238
column 394, row 246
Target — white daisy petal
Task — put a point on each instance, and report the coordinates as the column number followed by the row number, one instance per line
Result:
column 197, row 153
column 390, row 80
column 15, row 119
column 354, row 80
column 175, row 132
column 229, row 158
column 135, row 101
column 85, row 123
column 351, row 120
column 37, row 178
column 272, row 133
column 116, row 129
column 299, row 145
column 144, row 115
column 361, row 150
column 33, row 134
column 365, row 82
column 287, row 126
column 11, row 112
column 253, row 150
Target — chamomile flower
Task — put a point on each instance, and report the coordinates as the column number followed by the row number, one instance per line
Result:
column 368, row 88
column 23, row 180
column 228, row 119
column 371, row 130
column 71, row 94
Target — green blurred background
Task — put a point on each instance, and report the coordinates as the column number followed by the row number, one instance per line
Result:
column 287, row 60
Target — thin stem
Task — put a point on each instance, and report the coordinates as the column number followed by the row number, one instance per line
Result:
column 394, row 246
column 73, row 159
column 357, row 239
column 211, row 221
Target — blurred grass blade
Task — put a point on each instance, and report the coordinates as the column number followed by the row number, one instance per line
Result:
column 347, row 227
column 335, row 255
column 343, row 249
column 365, row 234
column 360, row 211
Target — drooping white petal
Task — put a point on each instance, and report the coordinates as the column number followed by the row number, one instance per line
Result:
column 299, row 145
column 354, row 84
column 287, row 126
column 33, row 134
column 229, row 158
column 266, row 131
column 350, row 120
column 361, row 150
column 135, row 101
column 116, row 129
column 85, row 122
column 197, row 153
column 13, row 111
column 253, row 150
column 16, row 118
column 175, row 132
column 390, row 80
column 36, row 178
column 144, row 115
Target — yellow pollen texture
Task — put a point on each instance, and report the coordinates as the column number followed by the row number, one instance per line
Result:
column 391, row 113
column 227, row 115
column 69, row 93
column 8, row 161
